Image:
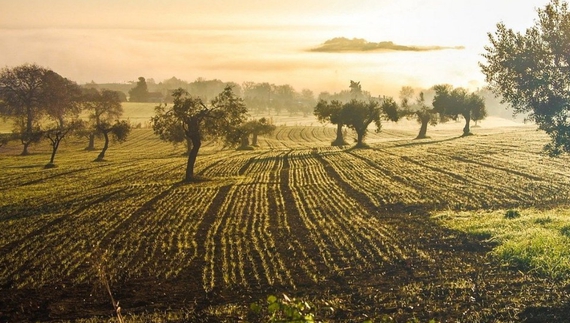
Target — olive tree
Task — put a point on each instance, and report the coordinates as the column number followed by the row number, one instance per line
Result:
column 424, row 114
column 199, row 120
column 359, row 114
column 531, row 71
column 331, row 112
column 452, row 103
column 253, row 128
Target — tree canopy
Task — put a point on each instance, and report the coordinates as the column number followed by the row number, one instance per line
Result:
column 452, row 103
column 253, row 128
column 531, row 71
column 331, row 112
column 199, row 120
column 359, row 114
column 105, row 109
column 63, row 107
column 22, row 100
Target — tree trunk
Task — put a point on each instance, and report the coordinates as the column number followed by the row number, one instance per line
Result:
column 339, row 141
column 360, row 137
column 189, row 146
column 54, row 147
column 423, row 128
column 91, row 145
column 466, row 130
column 28, row 134
column 105, row 146
column 196, row 143
column 244, row 142
column 25, row 151
column 254, row 139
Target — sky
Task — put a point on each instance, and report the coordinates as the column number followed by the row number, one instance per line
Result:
column 257, row 40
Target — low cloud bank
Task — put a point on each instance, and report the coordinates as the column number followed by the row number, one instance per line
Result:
column 342, row 44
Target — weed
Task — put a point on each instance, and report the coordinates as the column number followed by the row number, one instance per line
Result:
column 103, row 275
column 543, row 221
column 565, row 230
column 512, row 214
column 285, row 310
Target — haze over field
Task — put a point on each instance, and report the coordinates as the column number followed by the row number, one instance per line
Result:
column 261, row 41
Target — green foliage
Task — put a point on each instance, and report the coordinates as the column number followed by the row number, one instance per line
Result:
column 512, row 214
column 358, row 113
column 293, row 310
column 121, row 130
column 169, row 129
column 286, row 310
column 252, row 127
column 452, row 103
column 326, row 111
column 530, row 71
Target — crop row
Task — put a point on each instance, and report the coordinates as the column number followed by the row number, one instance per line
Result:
column 343, row 230
column 240, row 248
column 62, row 245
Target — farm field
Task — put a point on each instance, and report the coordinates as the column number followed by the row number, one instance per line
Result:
column 348, row 228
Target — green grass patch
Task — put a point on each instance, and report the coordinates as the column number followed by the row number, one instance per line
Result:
column 535, row 241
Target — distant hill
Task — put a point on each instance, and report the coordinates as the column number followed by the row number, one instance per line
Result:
column 342, row 44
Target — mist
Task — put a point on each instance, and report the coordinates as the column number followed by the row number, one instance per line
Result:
column 111, row 41
column 275, row 56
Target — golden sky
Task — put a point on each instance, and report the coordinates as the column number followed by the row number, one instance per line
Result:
column 254, row 40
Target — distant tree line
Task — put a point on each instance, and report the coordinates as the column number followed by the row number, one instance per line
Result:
column 260, row 98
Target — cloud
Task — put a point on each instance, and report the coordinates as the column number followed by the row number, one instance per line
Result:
column 342, row 44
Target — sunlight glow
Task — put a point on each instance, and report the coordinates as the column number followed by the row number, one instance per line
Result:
column 117, row 41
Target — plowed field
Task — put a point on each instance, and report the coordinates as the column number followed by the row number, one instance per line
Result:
column 337, row 225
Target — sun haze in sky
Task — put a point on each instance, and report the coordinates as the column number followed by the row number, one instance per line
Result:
column 260, row 41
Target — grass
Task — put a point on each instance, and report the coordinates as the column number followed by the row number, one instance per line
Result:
column 537, row 241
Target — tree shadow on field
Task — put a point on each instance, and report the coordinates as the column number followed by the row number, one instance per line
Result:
column 27, row 166
column 538, row 314
column 426, row 141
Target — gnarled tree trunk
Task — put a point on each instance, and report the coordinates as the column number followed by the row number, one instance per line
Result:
column 466, row 130
column 54, row 147
column 423, row 129
column 196, row 143
column 105, row 146
column 25, row 152
column 244, row 143
column 339, row 141
column 360, row 137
